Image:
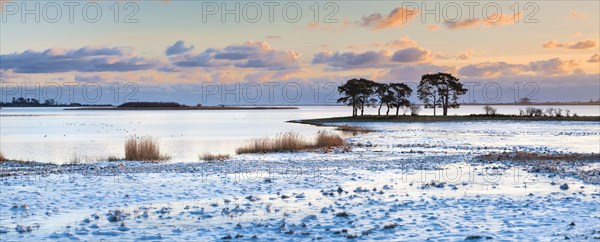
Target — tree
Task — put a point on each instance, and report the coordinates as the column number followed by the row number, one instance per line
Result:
column 440, row 90
column 400, row 94
column 357, row 93
column 489, row 110
column 385, row 96
column 350, row 95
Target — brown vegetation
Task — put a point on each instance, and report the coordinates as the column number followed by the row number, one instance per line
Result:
column 214, row 157
column 328, row 139
column 143, row 149
column 354, row 130
column 2, row 158
column 291, row 141
column 532, row 156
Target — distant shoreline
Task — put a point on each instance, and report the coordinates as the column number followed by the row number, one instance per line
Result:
column 432, row 119
column 186, row 108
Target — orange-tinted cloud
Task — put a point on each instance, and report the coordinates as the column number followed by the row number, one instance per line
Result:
column 550, row 67
column 465, row 55
column 594, row 59
column 581, row 45
column 496, row 19
column 577, row 15
column 433, row 27
column 397, row 18
column 400, row 43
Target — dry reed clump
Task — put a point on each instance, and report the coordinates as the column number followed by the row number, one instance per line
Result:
column 290, row 141
column 2, row 158
column 328, row 139
column 214, row 157
column 143, row 149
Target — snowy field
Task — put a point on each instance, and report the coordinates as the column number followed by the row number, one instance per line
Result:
column 404, row 182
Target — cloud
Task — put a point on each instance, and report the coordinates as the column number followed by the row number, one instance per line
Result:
column 401, row 43
column 90, row 78
column 594, row 59
column 554, row 66
column 491, row 69
column 465, row 55
column 577, row 15
column 178, row 48
column 371, row 59
column 86, row 59
column 247, row 55
column 412, row 72
column 433, row 27
column 397, row 18
column 351, row 60
column 274, row 37
column 550, row 67
column 496, row 19
column 581, row 45
column 412, row 55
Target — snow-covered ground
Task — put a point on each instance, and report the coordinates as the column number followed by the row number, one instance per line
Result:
column 404, row 182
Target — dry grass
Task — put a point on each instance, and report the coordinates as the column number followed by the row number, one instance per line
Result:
column 143, row 149
column 531, row 156
column 328, row 139
column 214, row 157
column 2, row 158
column 291, row 141
column 354, row 130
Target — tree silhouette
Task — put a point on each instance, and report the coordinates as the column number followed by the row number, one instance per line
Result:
column 357, row 93
column 400, row 93
column 385, row 96
column 440, row 90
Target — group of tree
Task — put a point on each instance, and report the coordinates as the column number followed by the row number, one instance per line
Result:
column 361, row 93
column 441, row 90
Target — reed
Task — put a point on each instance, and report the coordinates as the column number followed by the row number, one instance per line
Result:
column 328, row 139
column 291, row 141
column 213, row 157
column 143, row 149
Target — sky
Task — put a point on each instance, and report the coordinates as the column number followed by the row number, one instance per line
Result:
column 291, row 53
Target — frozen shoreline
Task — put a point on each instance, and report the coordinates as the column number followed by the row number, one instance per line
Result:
column 419, row 204
column 402, row 182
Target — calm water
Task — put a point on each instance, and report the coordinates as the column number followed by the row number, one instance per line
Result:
column 57, row 135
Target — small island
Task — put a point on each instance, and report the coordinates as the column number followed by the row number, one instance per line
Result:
column 452, row 118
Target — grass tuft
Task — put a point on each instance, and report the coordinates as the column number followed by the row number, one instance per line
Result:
column 214, row 157
column 143, row 149
column 2, row 158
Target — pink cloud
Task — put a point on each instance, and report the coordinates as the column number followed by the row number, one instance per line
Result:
column 581, row 45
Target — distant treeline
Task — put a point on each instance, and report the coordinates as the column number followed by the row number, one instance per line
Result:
column 152, row 105
column 32, row 102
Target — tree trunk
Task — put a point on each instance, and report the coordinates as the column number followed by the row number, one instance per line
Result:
column 379, row 110
column 397, row 110
column 388, row 110
column 434, row 105
column 445, row 105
